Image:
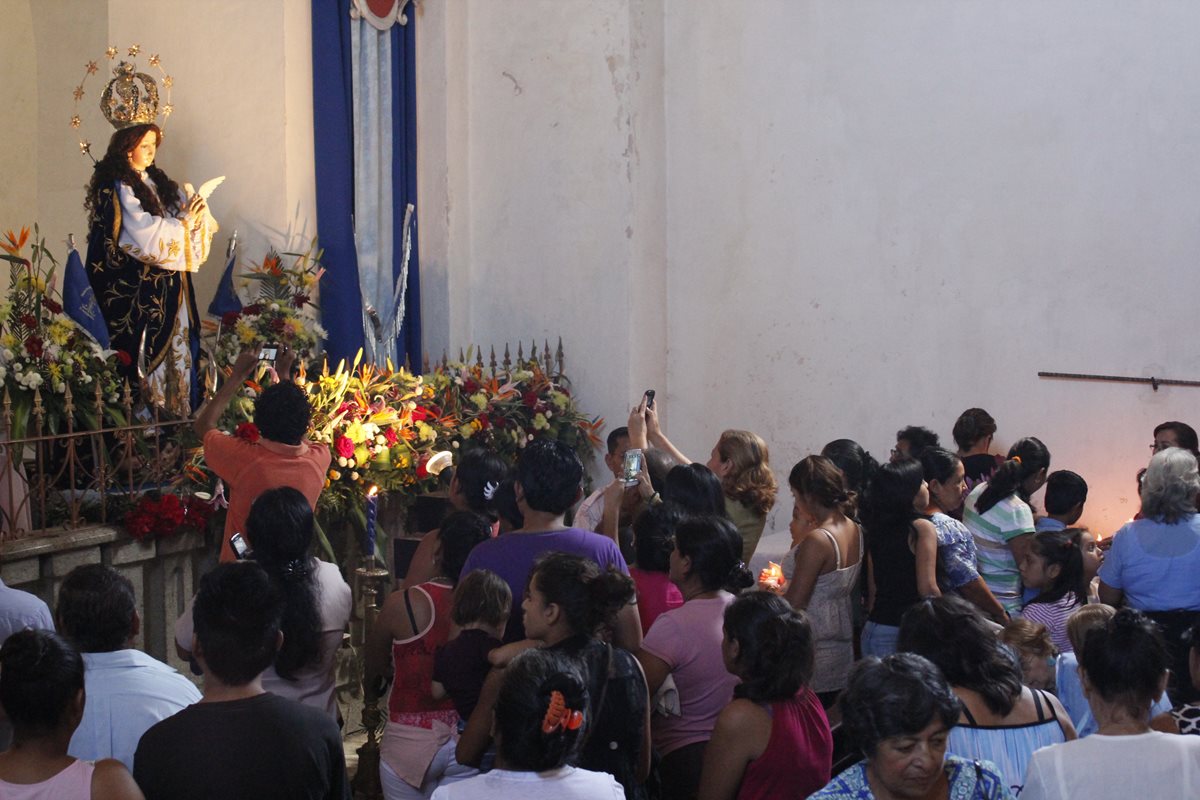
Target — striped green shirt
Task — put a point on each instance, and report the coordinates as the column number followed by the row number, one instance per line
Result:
column 1003, row 522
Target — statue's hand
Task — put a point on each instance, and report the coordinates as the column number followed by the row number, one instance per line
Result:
column 196, row 208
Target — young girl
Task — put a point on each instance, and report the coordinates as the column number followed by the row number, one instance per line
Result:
column 773, row 740
column 901, row 552
column 482, row 601
column 654, row 539
column 1093, row 557
column 946, row 477
column 1053, row 565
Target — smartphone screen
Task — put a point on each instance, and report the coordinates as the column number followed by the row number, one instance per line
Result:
column 631, row 466
column 240, row 549
column 268, row 353
column 649, row 398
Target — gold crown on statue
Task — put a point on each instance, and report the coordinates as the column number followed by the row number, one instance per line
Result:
column 130, row 98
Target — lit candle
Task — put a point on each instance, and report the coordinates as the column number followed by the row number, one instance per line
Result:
column 372, row 510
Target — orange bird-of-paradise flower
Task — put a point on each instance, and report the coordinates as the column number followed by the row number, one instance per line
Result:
column 15, row 242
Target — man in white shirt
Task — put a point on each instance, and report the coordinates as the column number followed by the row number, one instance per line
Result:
column 591, row 510
column 127, row 690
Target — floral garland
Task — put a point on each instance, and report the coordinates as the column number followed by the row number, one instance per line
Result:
column 43, row 351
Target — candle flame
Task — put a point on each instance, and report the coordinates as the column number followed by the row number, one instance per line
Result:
column 374, row 490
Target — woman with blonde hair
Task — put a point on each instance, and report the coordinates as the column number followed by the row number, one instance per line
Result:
column 740, row 459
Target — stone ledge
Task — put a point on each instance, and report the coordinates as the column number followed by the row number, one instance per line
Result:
column 18, row 549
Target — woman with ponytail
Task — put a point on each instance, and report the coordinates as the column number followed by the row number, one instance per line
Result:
column 542, row 719
column 685, row 644
column 568, row 604
column 857, row 465
column 823, row 566
column 318, row 600
column 476, row 487
column 773, row 740
column 41, row 693
column 999, row 517
column 1124, row 670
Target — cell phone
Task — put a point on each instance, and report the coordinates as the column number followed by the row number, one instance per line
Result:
column 631, row 466
column 241, row 549
column 649, row 398
column 268, row 353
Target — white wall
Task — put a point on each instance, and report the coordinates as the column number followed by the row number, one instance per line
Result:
column 845, row 217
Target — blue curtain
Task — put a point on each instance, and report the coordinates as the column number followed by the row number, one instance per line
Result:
column 333, row 127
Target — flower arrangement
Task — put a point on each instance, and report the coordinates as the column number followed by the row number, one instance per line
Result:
column 281, row 311
column 43, row 351
column 162, row 515
column 506, row 410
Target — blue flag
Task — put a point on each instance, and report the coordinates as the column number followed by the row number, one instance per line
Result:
column 79, row 301
column 226, row 299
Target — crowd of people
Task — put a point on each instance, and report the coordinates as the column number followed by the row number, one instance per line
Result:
column 929, row 634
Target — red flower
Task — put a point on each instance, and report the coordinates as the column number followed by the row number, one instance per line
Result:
column 276, row 325
column 470, row 386
column 530, row 399
column 170, row 514
column 29, row 320
column 422, row 472
column 139, row 524
column 248, row 431
column 253, row 309
column 419, row 414
column 124, row 358
column 33, row 346
column 230, row 318
column 389, row 435
column 345, row 447
column 500, row 422
column 484, row 422
column 299, row 300
column 51, row 306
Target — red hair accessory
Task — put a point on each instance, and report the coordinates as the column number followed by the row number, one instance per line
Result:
column 559, row 716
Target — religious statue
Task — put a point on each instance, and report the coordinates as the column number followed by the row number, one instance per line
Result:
column 146, row 236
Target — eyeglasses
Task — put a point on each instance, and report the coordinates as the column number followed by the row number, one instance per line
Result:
column 1158, row 447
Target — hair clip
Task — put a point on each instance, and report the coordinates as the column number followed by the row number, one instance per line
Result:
column 1017, row 459
column 489, row 490
column 559, row 716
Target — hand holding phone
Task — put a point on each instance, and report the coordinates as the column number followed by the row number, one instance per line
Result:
column 649, row 398
column 631, row 466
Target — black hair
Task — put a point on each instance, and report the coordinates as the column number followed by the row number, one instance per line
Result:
column 549, row 473
column 938, row 464
column 481, row 597
column 658, row 464
column 280, row 526
column 589, row 598
column 96, row 608
column 951, row 633
column 524, row 698
column 506, row 504
column 715, row 548
column 971, row 426
column 775, row 646
column 1064, row 491
column 818, row 478
column 480, row 472
column 40, row 676
column 857, row 465
column 1125, row 660
column 1185, row 435
column 1063, row 549
column 654, row 536
column 1025, row 459
column 899, row 695
column 282, row 413
column 695, row 488
column 115, row 166
column 888, row 504
column 614, row 438
column 459, row 534
column 236, row 617
column 918, row 439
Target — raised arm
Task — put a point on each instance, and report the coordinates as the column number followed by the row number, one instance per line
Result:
column 657, row 438
column 210, row 412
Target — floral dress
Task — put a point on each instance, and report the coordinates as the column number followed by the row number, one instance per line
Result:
column 969, row 780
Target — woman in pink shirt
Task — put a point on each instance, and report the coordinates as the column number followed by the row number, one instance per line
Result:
column 653, row 540
column 685, row 645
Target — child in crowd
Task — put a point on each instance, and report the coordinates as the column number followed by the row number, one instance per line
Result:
column 591, row 510
column 1031, row 642
column 1053, row 568
column 653, row 540
column 1066, row 492
column 482, row 601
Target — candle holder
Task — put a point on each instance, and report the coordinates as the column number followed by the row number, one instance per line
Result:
column 371, row 579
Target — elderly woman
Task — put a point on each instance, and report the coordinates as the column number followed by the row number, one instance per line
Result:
column 1002, row 718
column 1153, row 563
column 899, row 712
column 1124, row 670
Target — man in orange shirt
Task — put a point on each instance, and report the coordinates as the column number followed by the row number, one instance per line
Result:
column 280, row 457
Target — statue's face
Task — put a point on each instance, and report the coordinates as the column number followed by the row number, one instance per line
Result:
column 142, row 155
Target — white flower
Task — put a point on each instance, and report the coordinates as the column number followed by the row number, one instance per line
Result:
column 60, row 387
column 274, row 306
column 341, row 461
column 7, row 354
column 3, row 374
